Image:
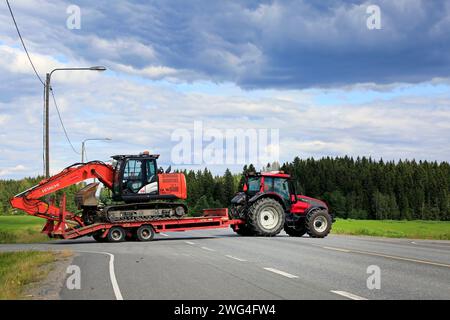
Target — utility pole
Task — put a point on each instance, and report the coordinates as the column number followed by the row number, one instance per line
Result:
column 46, row 111
column 46, row 134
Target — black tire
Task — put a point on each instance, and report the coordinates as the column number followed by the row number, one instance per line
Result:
column 145, row 233
column 318, row 223
column 116, row 234
column 296, row 231
column 244, row 231
column 266, row 210
column 98, row 237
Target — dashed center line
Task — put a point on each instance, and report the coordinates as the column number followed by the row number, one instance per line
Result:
column 235, row 258
column 190, row 242
column 288, row 275
column 336, row 249
column 164, row 234
column 348, row 295
column 208, row 249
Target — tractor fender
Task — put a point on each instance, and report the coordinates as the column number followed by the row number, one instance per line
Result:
column 315, row 207
column 272, row 195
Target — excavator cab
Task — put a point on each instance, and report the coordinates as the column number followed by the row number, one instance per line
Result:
column 138, row 179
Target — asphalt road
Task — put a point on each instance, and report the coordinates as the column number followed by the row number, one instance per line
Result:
column 217, row 264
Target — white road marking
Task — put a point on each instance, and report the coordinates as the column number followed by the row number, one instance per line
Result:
column 348, row 295
column 336, row 249
column 208, row 249
column 112, row 275
column 190, row 242
column 164, row 234
column 288, row 275
column 369, row 253
column 235, row 258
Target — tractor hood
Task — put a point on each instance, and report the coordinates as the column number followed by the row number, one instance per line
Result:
column 312, row 201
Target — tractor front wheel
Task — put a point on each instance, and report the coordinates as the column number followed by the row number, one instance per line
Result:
column 318, row 223
column 266, row 217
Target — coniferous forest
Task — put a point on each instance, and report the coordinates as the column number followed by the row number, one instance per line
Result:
column 358, row 188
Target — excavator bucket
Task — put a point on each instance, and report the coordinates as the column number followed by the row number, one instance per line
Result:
column 86, row 196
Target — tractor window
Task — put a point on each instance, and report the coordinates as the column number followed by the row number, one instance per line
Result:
column 268, row 184
column 281, row 186
column 254, row 184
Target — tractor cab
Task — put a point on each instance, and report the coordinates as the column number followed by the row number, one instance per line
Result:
column 275, row 183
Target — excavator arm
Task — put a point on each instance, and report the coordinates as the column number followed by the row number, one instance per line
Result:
column 31, row 201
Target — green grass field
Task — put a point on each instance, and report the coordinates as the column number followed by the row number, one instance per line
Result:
column 417, row 229
column 18, row 269
column 21, row 229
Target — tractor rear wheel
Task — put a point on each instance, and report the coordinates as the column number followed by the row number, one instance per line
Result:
column 266, row 217
column 298, row 230
column 244, row 231
column 318, row 223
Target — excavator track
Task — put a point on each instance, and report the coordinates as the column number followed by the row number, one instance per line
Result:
column 144, row 211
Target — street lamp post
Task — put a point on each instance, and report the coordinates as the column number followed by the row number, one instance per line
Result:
column 46, row 116
column 83, row 148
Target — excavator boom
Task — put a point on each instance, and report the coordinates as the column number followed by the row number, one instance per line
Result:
column 30, row 200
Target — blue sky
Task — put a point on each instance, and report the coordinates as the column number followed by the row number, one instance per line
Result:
column 311, row 69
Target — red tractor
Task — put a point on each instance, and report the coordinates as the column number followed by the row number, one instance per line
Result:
column 269, row 203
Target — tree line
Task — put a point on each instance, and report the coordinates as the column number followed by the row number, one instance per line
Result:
column 363, row 188
column 359, row 188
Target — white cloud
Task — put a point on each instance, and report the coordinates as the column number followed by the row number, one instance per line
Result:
column 12, row 170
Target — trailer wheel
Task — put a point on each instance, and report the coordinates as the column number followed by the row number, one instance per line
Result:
column 98, row 237
column 116, row 234
column 318, row 223
column 266, row 217
column 145, row 233
column 298, row 230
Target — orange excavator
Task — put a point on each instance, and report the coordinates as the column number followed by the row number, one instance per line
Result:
column 141, row 191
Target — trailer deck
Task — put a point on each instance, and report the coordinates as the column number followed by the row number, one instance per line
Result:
column 211, row 219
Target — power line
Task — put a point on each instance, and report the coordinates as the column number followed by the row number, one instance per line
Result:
column 62, row 123
column 23, row 43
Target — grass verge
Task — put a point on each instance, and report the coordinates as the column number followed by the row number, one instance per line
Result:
column 21, row 229
column 416, row 229
column 18, row 269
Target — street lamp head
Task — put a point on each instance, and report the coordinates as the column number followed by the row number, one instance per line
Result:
column 98, row 68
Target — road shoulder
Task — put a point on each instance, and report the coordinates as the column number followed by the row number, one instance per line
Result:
column 50, row 287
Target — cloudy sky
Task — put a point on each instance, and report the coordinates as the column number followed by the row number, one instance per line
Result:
column 312, row 69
